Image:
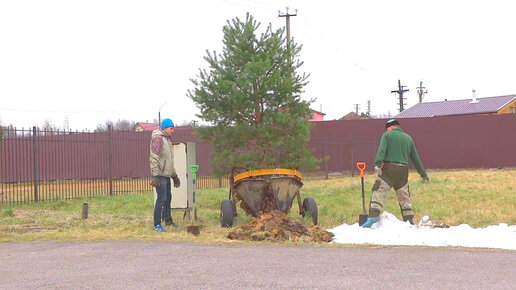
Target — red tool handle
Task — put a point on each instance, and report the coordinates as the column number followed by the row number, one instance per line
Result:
column 361, row 166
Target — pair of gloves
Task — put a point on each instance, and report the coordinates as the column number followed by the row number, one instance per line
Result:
column 155, row 181
column 378, row 170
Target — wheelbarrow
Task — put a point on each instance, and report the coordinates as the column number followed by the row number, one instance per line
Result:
column 264, row 190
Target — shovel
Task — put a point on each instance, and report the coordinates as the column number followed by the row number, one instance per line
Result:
column 193, row 229
column 362, row 218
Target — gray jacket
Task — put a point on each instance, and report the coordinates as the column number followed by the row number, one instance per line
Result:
column 161, row 155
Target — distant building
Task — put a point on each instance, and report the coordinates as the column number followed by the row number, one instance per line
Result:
column 474, row 106
column 140, row 127
column 355, row 116
column 316, row 116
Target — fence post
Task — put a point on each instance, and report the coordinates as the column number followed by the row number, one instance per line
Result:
column 220, row 182
column 35, row 162
column 326, row 154
column 110, row 160
column 352, row 156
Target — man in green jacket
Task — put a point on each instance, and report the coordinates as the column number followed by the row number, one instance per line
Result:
column 396, row 150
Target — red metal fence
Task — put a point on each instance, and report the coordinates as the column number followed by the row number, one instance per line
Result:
column 45, row 165
column 442, row 142
column 37, row 165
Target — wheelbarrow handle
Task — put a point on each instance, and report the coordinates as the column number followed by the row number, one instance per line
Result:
column 361, row 166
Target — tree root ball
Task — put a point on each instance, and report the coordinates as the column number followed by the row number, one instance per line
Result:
column 276, row 226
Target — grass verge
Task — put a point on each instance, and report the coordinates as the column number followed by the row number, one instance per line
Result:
column 475, row 197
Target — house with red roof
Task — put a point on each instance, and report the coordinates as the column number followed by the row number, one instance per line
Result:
column 475, row 106
column 140, row 127
column 355, row 116
column 316, row 116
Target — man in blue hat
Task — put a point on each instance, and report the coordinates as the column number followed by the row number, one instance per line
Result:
column 162, row 170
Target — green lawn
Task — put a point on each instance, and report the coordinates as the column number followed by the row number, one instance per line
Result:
column 476, row 197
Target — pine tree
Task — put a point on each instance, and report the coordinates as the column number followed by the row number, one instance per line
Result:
column 251, row 97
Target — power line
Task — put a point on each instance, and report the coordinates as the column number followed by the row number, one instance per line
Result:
column 67, row 112
column 421, row 91
column 400, row 93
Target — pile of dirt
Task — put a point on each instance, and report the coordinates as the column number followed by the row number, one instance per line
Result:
column 276, row 226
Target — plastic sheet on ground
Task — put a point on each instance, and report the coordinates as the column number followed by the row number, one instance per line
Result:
column 392, row 231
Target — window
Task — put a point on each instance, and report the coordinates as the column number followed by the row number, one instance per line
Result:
column 513, row 110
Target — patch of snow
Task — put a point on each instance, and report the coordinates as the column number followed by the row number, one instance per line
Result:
column 392, row 231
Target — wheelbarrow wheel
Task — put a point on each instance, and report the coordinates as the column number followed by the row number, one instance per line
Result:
column 226, row 213
column 310, row 208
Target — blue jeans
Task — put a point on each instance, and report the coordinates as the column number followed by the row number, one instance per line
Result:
column 162, row 205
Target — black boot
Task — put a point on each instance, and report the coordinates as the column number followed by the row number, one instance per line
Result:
column 409, row 218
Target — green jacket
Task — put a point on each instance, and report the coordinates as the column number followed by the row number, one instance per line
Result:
column 397, row 146
column 161, row 155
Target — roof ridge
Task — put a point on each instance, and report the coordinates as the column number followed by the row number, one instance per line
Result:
column 506, row 103
column 513, row 95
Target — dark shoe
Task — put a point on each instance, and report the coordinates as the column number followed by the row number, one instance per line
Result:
column 410, row 219
column 169, row 222
column 159, row 228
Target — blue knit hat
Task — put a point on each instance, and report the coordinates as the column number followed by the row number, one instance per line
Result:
column 166, row 123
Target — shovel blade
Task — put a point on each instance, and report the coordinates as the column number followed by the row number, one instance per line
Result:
column 362, row 218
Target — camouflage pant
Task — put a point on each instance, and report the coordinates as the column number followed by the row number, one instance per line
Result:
column 393, row 175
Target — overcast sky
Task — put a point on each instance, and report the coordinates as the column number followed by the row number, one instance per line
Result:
column 90, row 61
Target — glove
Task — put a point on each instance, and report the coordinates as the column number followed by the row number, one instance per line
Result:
column 155, row 181
column 426, row 178
column 378, row 170
column 370, row 221
column 176, row 180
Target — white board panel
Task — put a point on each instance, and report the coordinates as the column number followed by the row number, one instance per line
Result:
column 180, row 194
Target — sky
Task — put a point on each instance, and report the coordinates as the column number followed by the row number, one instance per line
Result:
column 392, row 231
column 91, row 61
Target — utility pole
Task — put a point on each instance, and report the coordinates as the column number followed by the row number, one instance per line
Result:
column 421, row 91
column 356, row 108
column 369, row 108
column 400, row 93
column 287, row 16
column 159, row 113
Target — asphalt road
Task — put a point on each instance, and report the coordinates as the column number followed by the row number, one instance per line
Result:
column 156, row 265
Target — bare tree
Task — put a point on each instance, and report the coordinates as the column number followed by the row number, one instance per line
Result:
column 121, row 124
column 9, row 131
column 66, row 124
column 188, row 123
column 48, row 127
column 104, row 127
column 124, row 125
column 384, row 115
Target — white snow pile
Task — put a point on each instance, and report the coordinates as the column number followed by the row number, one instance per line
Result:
column 392, row 231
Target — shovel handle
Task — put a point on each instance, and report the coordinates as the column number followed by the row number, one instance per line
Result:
column 193, row 169
column 361, row 166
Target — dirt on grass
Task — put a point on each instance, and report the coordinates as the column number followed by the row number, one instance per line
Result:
column 276, row 226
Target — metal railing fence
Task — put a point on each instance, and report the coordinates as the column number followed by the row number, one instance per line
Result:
column 45, row 165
